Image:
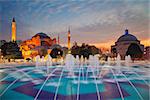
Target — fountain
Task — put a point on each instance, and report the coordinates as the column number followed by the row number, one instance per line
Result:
column 37, row 60
column 91, row 60
column 127, row 60
column 81, row 61
column 76, row 78
column 96, row 61
column 62, row 61
column 108, row 60
column 48, row 62
column 85, row 61
column 118, row 60
column 92, row 64
column 118, row 63
column 77, row 61
column 42, row 61
column 70, row 63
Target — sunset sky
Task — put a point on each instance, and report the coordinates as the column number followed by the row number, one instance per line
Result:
column 99, row 22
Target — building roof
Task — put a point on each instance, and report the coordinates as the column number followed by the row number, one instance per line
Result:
column 127, row 37
column 42, row 35
column 55, row 46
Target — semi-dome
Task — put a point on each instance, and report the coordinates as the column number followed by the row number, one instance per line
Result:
column 127, row 37
column 42, row 35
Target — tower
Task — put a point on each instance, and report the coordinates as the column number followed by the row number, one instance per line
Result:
column 69, row 36
column 13, row 30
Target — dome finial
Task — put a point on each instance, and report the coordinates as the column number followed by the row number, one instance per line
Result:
column 13, row 19
column 126, row 32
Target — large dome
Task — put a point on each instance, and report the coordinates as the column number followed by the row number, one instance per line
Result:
column 42, row 35
column 127, row 37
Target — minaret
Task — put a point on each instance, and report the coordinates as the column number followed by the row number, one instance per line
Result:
column 13, row 30
column 69, row 36
column 58, row 39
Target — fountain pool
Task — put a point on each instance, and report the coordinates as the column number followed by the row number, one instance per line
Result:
column 74, row 81
column 86, row 82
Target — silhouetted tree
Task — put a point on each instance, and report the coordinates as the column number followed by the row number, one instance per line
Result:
column 43, row 52
column 56, row 53
column 114, row 52
column 75, row 50
column 84, row 50
column 28, row 59
column 2, row 42
column 134, row 51
column 94, row 50
column 10, row 50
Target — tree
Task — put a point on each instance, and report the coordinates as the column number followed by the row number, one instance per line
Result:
column 56, row 53
column 10, row 50
column 134, row 51
column 84, row 50
column 94, row 50
column 43, row 52
column 2, row 42
column 75, row 50
column 28, row 59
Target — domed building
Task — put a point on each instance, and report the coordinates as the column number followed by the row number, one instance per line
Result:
column 127, row 44
column 32, row 47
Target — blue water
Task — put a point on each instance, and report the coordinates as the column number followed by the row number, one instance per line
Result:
column 86, row 83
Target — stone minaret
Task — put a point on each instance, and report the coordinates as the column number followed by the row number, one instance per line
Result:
column 69, row 36
column 13, row 30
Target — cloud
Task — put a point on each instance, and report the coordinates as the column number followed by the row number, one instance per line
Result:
column 97, row 19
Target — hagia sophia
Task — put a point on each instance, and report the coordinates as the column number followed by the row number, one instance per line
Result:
column 32, row 47
column 41, row 41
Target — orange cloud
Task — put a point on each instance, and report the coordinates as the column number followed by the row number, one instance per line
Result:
column 145, row 42
column 107, row 45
